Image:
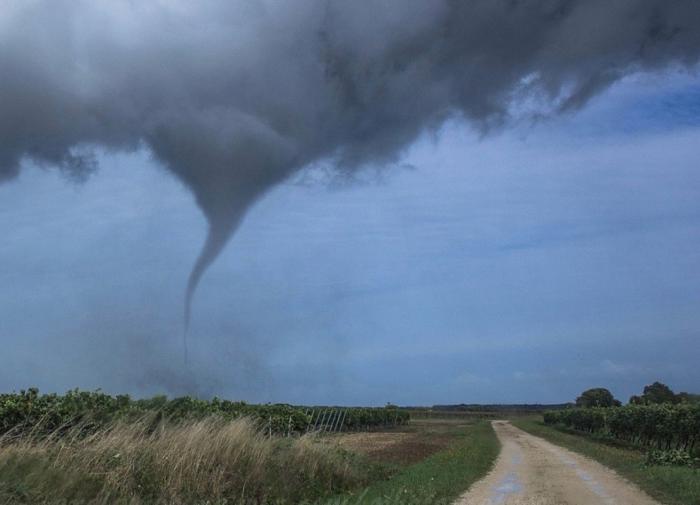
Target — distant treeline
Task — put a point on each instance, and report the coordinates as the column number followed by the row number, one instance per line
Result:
column 493, row 407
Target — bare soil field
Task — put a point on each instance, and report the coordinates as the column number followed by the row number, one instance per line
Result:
column 532, row 471
column 403, row 445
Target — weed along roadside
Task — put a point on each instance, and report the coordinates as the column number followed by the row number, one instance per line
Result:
column 441, row 477
column 89, row 447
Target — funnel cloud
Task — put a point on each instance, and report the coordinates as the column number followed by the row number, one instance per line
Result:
column 234, row 97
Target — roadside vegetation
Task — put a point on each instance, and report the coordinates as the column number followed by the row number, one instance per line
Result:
column 91, row 448
column 150, row 461
column 653, row 441
column 30, row 411
column 658, row 419
column 439, row 479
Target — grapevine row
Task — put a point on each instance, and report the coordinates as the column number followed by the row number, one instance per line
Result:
column 663, row 426
column 29, row 411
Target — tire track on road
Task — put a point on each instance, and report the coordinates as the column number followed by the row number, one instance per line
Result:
column 532, row 471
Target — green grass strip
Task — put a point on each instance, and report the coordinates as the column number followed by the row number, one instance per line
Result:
column 439, row 479
column 671, row 485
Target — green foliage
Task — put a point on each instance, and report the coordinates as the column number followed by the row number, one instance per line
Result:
column 658, row 393
column 597, row 397
column 439, row 479
column 672, row 457
column 636, row 400
column 684, row 397
column 363, row 418
column 30, row 412
column 664, row 426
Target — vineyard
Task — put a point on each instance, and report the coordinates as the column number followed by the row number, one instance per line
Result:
column 664, row 426
column 28, row 411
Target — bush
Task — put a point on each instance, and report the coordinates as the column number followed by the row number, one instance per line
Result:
column 597, row 397
column 673, row 457
column 663, row 426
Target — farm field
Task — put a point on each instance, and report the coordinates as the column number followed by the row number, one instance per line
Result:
column 87, row 447
column 31, row 411
column 402, row 445
column 464, row 452
column 93, row 448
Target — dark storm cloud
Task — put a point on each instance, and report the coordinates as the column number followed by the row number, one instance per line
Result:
column 233, row 97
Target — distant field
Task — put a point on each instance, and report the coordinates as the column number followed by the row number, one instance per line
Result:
column 459, row 452
column 403, row 445
column 452, row 414
column 478, row 411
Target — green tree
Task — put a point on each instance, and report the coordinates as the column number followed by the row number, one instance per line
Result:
column 658, row 393
column 597, row 397
column 684, row 397
column 636, row 400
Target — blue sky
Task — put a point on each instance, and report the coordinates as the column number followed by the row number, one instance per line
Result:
column 523, row 266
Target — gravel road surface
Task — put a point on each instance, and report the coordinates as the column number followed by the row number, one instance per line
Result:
column 532, row 471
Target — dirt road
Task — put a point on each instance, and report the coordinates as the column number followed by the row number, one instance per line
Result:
column 532, row 471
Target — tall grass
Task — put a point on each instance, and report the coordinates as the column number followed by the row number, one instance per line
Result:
column 153, row 462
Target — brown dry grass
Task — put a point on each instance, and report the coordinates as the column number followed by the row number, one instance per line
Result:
column 405, row 445
column 149, row 462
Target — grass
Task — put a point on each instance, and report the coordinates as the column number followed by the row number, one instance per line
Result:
column 669, row 484
column 404, row 445
column 440, row 478
column 213, row 461
column 150, row 462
